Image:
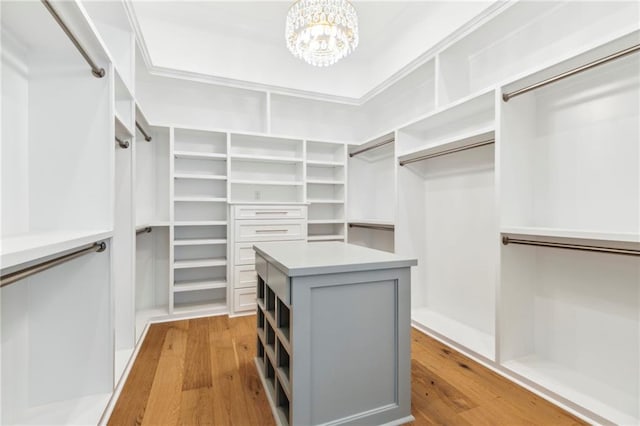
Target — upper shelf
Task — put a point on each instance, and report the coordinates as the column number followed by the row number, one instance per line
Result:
column 23, row 248
column 199, row 155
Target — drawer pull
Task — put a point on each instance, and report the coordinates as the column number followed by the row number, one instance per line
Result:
column 270, row 230
column 272, row 212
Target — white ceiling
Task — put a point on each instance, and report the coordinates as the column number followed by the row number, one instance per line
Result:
column 242, row 43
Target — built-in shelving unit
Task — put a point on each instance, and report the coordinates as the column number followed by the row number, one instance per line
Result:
column 326, row 190
column 199, row 271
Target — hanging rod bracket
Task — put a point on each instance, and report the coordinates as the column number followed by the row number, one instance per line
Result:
column 123, row 144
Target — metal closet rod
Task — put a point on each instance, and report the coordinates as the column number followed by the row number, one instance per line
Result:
column 446, row 152
column 612, row 57
column 371, row 226
column 369, row 148
column 628, row 252
column 145, row 134
column 123, row 144
column 145, row 230
column 34, row 269
column 95, row 69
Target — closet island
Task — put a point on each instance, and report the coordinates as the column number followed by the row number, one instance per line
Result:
column 334, row 333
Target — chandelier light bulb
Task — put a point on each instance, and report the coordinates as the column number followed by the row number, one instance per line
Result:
column 321, row 32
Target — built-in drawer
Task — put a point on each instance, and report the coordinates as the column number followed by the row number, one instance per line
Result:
column 244, row 299
column 270, row 212
column 279, row 283
column 244, row 254
column 261, row 267
column 245, row 276
column 259, row 230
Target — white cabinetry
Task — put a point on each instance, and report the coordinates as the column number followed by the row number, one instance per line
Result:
column 274, row 223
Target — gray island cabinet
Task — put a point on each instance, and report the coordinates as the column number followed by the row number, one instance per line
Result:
column 334, row 333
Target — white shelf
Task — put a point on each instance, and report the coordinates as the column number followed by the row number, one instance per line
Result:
column 181, row 286
column 200, row 242
column 372, row 222
column 153, row 223
column 326, row 201
column 211, row 307
column 199, row 176
column 542, row 233
column 571, row 385
column 36, row 245
column 317, row 163
column 201, row 223
column 266, row 158
column 199, row 155
column 325, row 237
column 459, row 141
column 325, row 221
column 199, row 263
column 86, row 410
column 454, row 331
column 325, row 182
column 266, row 182
column 122, row 130
column 200, row 199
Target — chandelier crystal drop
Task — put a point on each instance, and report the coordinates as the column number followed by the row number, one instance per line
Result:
column 321, row 32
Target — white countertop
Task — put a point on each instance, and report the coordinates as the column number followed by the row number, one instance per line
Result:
column 300, row 258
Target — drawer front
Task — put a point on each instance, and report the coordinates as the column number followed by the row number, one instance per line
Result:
column 244, row 254
column 245, row 276
column 244, row 299
column 270, row 212
column 279, row 283
column 261, row 267
column 258, row 230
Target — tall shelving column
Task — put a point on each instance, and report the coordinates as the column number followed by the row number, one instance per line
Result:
column 198, row 278
column 326, row 190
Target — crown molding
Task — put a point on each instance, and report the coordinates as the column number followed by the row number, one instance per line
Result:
column 490, row 12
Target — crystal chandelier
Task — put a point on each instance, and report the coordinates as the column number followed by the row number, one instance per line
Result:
column 321, row 32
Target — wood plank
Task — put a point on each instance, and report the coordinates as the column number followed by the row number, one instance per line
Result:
column 129, row 410
column 163, row 407
column 196, row 407
column 197, row 363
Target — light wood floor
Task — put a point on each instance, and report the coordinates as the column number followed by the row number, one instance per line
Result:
column 201, row 372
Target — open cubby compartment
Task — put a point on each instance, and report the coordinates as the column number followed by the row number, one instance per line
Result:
column 199, row 141
column 409, row 97
column 199, row 168
column 196, row 233
column 200, row 188
column 524, row 38
column 259, row 348
column 186, row 211
column 307, row 119
column 462, row 120
column 197, row 300
column 190, row 103
column 260, row 320
column 570, row 153
column 325, row 174
column 379, row 239
column 57, row 128
column 266, row 146
column 270, row 302
column 326, row 151
column 152, row 169
column 269, row 369
column 260, row 290
column 570, row 325
column 283, row 360
column 211, row 251
column 326, row 212
column 265, row 171
column 258, row 192
column 270, row 337
column 57, row 343
column 152, row 276
column 282, row 403
column 325, row 232
column 197, row 278
column 317, row 191
column 112, row 22
column 283, row 319
column 446, row 218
